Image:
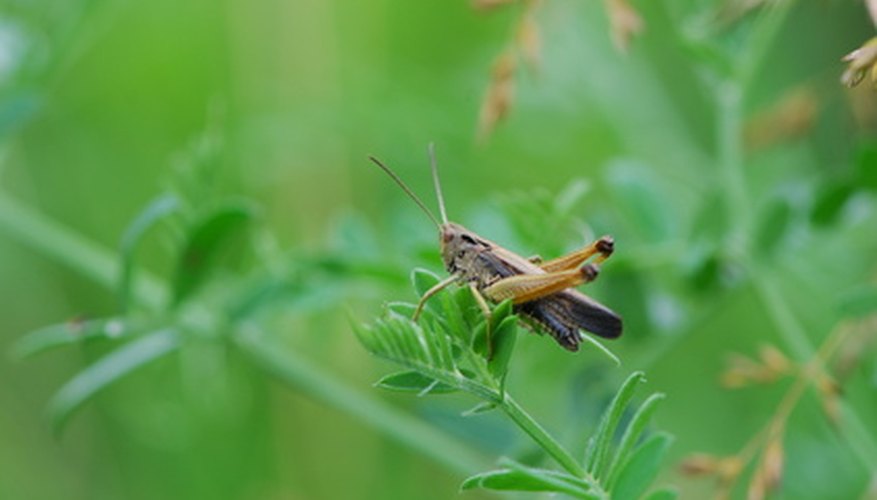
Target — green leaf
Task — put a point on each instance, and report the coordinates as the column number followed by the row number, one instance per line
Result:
column 866, row 166
column 706, row 272
column 423, row 280
column 858, row 302
column 642, row 468
column 528, row 479
column 480, row 408
column 711, row 217
column 107, row 370
column 600, row 347
column 157, row 210
column 497, row 316
column 453, row 316
column 632, row 435
column 500, row 313
column 712, row 55
column 830, row 202
column 202, row 245
column 402, row 308
column 70, row 332
column 412, row 381
column 597, row 454
column 503, row 341
column 466, row 303
column 425, row 348
column 772, row 227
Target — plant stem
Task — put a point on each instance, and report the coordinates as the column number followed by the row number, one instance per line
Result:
column 541, row 436
column 99, row 264
column 300, row 373
column 63, row 245
column 731, row 161
column 770, row 20
column 857, row 435
column 730, row 158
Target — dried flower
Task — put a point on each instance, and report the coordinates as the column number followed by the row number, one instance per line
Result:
column 729, row 469
column 829, row 395
column 772, row 464
column 861, row 62
column 529, row 41
column 792, row 117
column 742, row 370
column 774, row 360
column 767, row 476
column 624, row 22
column 725, row 469
column 500, row 93
column 700, row 464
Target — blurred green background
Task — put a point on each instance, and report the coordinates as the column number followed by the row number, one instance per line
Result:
column 732, row 230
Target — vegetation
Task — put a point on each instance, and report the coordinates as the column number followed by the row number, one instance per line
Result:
column 186, row 202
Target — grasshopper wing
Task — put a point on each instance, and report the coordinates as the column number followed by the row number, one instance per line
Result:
column 564, row 313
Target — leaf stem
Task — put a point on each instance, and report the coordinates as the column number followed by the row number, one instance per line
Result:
column 541, row 436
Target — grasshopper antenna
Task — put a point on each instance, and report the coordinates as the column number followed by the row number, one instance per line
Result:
column 438, row 185
column 407, row 190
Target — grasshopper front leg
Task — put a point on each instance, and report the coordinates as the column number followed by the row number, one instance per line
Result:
column 432, row 291
column 526, row 287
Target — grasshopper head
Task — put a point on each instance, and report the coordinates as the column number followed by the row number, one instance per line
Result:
column 460, row 247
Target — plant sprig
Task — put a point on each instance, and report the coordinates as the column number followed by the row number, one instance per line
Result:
column 448, row 351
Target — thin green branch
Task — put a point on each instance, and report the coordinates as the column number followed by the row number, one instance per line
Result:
column 303, row 375
column 731, row 161
column 66, row 246
column 766, row 28
column 98, row 263
column 730, row 158
column 857, row 435
column 541, row 436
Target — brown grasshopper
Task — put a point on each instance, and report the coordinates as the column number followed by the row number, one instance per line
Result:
column 540, row 291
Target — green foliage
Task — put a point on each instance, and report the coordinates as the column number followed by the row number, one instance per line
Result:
column 71, row 332
column 109, row 369
column 144, row 337
column 160, row 208
column 444, row 347
column 728, row 236
column 204, row 240
column 518, row 477
column 441, row 356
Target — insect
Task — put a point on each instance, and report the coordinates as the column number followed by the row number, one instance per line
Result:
column 540, row 291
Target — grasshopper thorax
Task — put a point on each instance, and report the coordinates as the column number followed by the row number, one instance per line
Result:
column 460, row 248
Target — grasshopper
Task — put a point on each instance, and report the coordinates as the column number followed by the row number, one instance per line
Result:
column 541, row 292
